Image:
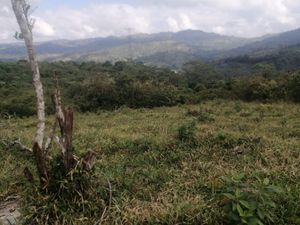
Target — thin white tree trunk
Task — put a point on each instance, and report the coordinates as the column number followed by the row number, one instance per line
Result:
column 20, row 8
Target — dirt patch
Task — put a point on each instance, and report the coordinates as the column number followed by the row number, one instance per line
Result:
column 9, row 210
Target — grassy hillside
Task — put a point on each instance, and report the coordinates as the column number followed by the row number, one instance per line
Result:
column 167, row 165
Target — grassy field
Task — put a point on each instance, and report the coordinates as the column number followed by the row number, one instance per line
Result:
column 167, row 165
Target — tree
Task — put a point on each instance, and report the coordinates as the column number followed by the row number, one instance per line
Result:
column 79, row 189
column 200, row 73
column 21, row 10
column 64, row 118
column 294, row 87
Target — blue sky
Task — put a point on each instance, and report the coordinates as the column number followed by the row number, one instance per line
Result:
column 77, row 19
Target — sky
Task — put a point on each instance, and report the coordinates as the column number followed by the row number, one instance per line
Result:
column 78, row 19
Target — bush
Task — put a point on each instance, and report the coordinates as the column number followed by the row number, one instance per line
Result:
column 20, row 109
column 294, row 87
column 201, row 115
column 186, row 133
column 252, row 203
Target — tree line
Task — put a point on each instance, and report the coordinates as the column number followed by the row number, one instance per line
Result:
column 90, row 86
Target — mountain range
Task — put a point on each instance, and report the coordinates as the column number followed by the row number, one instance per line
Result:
column 160, row 49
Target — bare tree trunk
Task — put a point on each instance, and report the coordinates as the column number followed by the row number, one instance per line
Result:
column 69, row 160
column 40, row 163
column 65, row 120
column 21, row 8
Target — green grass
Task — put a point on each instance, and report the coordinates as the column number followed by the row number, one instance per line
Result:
column 158, row 178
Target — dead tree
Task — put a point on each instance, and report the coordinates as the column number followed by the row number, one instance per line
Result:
column 21, row 10
column 65, row 121
column 64, row 117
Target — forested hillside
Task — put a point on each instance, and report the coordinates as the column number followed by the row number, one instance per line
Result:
column 128, row 47
column 167, row 49
column 268, row 44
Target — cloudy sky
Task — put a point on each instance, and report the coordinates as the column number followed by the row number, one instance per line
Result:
column 74, row 19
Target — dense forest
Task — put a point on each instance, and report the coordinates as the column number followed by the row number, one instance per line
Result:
column 90, row 86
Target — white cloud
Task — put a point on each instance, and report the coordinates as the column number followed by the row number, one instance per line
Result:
column 186, row 22
column 42, row 28
column 172, row 23
column 5, row 10
column 88, row 29
column 247, row 18
column 218, row 29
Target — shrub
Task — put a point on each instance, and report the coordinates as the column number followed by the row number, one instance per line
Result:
column 201, row 115
column 186, row 133
column 238, row 107
column 249, row 203
column 294, row 87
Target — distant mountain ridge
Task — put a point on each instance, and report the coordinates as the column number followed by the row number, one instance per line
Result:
column 268, row 44
column 162, row 49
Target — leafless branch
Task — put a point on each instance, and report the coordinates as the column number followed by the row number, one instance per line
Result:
column 40, row 163
column 23, row 147
column 10, row 144
column 61, row 146
column 56, row 98
column 51, row 136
